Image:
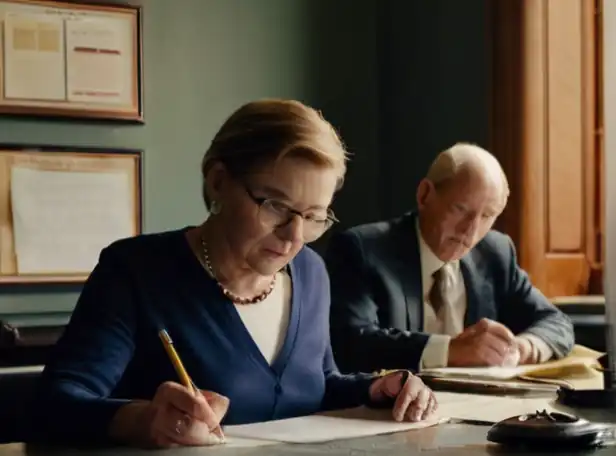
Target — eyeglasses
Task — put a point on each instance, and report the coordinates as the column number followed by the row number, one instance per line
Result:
column 275, row 214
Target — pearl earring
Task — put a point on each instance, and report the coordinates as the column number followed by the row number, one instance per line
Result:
column 215, row 207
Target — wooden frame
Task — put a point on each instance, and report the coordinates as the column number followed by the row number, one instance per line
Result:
column 544, row 131
column 53, row 160
column 71, row 59
column 600, row 225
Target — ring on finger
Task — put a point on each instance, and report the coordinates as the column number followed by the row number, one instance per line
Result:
column 181, row 424
column 178, row 426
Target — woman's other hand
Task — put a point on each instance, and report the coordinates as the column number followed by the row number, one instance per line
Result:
column 174, row 417
column 414, row 401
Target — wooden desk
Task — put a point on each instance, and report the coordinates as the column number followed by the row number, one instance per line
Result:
column 445, row 440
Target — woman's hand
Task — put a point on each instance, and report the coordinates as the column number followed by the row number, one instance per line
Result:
column 175, row 416
column 414, row 401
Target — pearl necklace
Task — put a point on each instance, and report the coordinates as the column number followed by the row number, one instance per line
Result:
column 229, row 294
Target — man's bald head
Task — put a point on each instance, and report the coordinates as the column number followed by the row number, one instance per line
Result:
column 463, row 159
column 463, row 192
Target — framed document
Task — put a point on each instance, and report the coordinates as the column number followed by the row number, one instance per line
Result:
column 70, row 59
column 60, row 206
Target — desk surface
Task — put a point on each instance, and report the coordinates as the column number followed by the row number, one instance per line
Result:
column 447, row 439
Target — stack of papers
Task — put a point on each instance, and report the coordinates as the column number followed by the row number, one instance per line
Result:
column 581, row 363
column 492, row 408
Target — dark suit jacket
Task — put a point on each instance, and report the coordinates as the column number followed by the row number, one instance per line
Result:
column 377, row 305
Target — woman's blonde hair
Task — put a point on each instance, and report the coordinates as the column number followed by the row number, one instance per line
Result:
column 265, row 131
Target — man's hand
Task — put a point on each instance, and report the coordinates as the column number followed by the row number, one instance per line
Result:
column 525, row 348
column 486, row 343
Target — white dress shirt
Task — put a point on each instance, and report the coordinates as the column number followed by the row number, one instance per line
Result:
column 449, row 322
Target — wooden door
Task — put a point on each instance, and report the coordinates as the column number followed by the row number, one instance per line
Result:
column 544, row 131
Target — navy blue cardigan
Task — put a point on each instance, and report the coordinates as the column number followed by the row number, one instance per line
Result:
column 110, row 352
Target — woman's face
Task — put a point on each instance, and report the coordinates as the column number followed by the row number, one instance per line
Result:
column 260, row 212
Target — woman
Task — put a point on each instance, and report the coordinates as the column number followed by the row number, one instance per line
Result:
column 245, row 302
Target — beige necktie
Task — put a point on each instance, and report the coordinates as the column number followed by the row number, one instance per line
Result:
column 440, row 300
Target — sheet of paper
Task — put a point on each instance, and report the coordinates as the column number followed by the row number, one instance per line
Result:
column 98, row 63
column 364, row 422
column 62, row 220
column 325, row 427
column 489, row 407
column 34, row 57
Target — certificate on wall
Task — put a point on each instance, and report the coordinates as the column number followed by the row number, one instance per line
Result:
column 68, row 59
column 60, row 207
column 63, row 219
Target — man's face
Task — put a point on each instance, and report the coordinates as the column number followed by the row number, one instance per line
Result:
column 457, row 215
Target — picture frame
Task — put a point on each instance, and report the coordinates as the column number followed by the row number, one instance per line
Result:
column 61, row 205
column 71, row 59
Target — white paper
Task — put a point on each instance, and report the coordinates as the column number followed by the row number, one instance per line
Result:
column 491, row 408
column 62, row 220
column 34, row 57
column 323, row 428
column 99, row 66
column 364, row 422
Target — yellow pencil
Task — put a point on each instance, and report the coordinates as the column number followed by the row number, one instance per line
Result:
column 181, row 371
column 175, row 359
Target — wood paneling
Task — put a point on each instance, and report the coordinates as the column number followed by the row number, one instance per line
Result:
column 543, row 132
column 564, row 149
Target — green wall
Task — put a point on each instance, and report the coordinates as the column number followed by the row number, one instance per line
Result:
column 375, row 68
column 434, row 88
column 202, row 60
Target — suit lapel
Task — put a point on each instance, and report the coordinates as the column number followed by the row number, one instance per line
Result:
column 409, row 269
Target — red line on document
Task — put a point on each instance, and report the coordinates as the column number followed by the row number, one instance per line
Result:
column 92, row 50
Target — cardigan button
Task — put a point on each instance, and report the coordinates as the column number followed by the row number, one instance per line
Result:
column 278, row 388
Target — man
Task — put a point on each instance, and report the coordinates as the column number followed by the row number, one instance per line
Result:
column 439, row 287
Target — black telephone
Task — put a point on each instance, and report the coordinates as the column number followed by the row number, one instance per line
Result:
column 545, row 430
